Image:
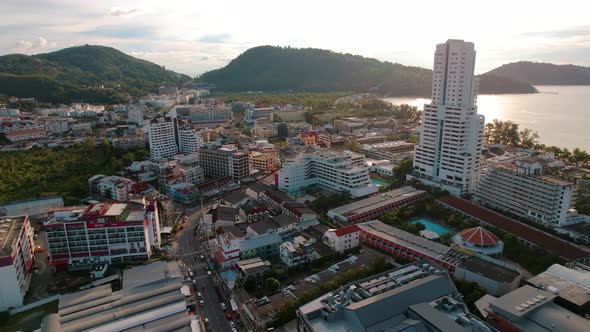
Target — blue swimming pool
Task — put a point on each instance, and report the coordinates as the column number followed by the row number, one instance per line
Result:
column 379, row 183
column 432, row 226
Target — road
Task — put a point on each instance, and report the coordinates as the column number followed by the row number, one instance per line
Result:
column 188, row 248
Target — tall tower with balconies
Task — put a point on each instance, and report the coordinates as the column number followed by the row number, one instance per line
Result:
column 448, row 156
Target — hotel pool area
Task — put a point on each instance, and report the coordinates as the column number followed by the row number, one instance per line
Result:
column 379, row 183
column 432, row 226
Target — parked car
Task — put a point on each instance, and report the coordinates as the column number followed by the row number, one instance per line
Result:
column 201, row 303
column 223, row 306
column 199, row 295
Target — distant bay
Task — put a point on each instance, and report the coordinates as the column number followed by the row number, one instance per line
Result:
column 560, row 114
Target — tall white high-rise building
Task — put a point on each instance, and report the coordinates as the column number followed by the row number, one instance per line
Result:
column 189, row 140
column 162, row 138
column 448, row 155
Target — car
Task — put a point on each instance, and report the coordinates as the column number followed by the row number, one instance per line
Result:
column 195, row 281
column 232, row 324
column 190, row 273
column 202, row 257
column 199, row 295
column 228, row 316
column 233, row 329
column 206, row 320
column 39, row 249
column 201, row 303
column 209, row 274
column 223, row 306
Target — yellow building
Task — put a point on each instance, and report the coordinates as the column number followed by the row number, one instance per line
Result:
column 262, row 161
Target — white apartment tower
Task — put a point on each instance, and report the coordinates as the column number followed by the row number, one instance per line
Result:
column 189, row 140
column 448, row 155
column 162, row 138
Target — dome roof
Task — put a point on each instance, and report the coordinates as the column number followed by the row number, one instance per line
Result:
column 479, row 236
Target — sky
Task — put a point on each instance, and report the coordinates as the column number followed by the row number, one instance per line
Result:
column 195, row 36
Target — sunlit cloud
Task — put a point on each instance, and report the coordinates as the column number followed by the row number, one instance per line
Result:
column 215, row 38
column 118, row 11
column 37, row 44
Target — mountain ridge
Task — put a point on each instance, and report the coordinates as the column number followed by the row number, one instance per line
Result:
column 90, row 73
column 543, row 73
column 271, row 68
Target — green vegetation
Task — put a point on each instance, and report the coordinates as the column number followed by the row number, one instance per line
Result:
column 394, row 219
column 538, row 73
column 287, row 312
column 59, row 171
column 506, row 132
column 325, row 203
column 320, row 101
column 271, row 285
column 28, row 320
column 88, row 73
column 270, row 68
column 471, row 292
column 372, row 106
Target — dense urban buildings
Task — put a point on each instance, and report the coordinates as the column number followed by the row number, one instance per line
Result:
column 448, row 155
column 78, row 238
column 414, row 297
column 111, row 187
column 17, row 257
column 521, row 188
column 224, row 160
column 335, row 171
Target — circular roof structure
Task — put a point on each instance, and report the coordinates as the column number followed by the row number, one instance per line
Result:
column 479, row 236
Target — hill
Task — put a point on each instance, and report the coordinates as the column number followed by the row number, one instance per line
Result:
column 83, row 73
column 539, row 73
column 270, row 68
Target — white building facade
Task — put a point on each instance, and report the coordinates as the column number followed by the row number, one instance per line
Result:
column 521, row 189
column 189, row 140
column 162, row 138
column 16, row 261
column 336, row 171
column 448, row 156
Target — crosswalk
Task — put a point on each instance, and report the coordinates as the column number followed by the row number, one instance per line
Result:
column 197, row 265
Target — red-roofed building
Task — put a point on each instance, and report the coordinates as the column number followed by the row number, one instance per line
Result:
column 342, row 239
column 479, row 239
column 521, row 230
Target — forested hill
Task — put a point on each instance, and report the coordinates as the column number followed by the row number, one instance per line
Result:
column 538, row 73
column 83, row 73
column 269, row 68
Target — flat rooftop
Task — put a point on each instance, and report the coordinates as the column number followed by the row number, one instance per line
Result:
column 573, row 285
column 9, row 231
column 375, row 202
column 156, row 306
column 491, row 271
column 409, row 240
column 528, row 233
column 383, row 302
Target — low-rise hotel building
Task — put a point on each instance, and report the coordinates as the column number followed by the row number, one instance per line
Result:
column 335, row 171
column 375, row 206
column 521, row 188
column 110, row 232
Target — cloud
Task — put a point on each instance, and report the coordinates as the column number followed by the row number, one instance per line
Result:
column 564, row 33
column 32, row 45
column 118, row 11
column 218, row 38
column 120, row 31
